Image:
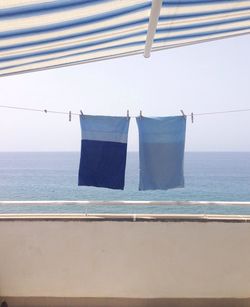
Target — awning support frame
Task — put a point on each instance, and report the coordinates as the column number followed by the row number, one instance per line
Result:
column 152, row 26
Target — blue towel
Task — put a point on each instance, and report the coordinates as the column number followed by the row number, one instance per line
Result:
column 161, row 150
column 103, row 151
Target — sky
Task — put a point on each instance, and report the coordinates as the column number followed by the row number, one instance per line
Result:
column 207, row 77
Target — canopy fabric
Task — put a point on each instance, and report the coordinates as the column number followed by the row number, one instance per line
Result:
column 43, row 34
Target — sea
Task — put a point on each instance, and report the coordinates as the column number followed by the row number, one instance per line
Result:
column 43, row 176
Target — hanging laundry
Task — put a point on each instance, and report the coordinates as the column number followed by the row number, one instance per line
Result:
column 161, row 152
column 103, row 151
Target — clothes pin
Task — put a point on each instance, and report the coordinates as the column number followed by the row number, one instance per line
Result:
column 81, row 112
column 182, row 112
column 45, row 111
column 140, row 114
column 69, row 116
column 192, row 117
column 127, row 114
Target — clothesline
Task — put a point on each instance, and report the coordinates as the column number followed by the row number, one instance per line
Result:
column 69, row 113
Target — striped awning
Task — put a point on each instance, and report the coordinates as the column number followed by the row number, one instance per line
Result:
column 43, row 34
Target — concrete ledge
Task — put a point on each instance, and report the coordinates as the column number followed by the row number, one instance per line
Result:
column 91, row 256
column 125, row 302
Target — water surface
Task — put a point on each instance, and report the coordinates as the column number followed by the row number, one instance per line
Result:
column 53, row 176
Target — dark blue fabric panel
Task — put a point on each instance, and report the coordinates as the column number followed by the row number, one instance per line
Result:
column 102, row 164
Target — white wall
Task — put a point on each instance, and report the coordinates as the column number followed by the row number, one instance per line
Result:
column 124, row 259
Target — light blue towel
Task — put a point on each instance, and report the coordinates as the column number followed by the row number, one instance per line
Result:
column 161, row 150
column 103, row 151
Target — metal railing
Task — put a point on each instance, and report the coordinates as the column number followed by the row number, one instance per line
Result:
column 135, row 210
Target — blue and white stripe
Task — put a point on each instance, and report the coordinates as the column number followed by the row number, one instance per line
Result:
column 42, row 34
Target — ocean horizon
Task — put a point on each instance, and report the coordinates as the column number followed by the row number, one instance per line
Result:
column 209, row 176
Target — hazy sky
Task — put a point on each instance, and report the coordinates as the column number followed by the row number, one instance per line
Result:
column 202, row 78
